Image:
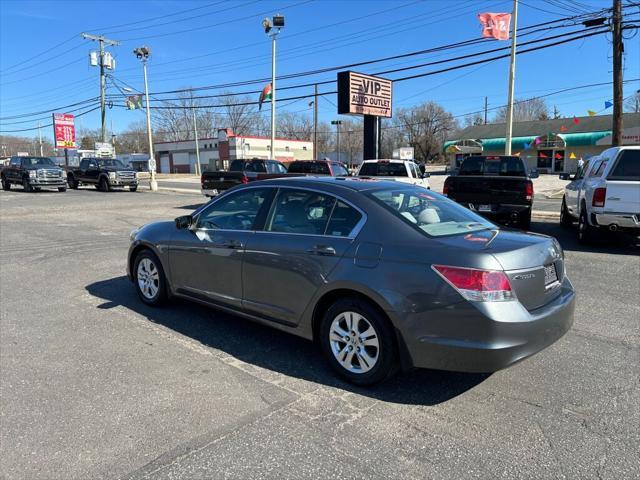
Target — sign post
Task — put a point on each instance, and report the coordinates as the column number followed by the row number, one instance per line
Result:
column 360, row 94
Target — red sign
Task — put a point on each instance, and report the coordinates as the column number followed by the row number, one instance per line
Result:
column 64, row 130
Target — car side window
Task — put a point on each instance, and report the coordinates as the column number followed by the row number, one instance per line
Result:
column 594, row 167
column 300, row 211
column 15, row 162
column 627, row 166
column 600, row 169
column 339, row 170
column 344, row 219
column 236, row 211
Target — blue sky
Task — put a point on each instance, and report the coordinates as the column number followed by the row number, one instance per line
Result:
column 213, row 42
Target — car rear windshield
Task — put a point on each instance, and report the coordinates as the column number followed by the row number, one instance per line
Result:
column 628, row 166
column 430, row 213
column 383, row 169
column 32, row 161
column 318, row 168
column 502, row 166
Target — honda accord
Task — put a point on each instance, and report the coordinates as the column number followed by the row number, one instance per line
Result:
column 381, row 275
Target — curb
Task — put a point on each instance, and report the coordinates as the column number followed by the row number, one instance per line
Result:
column 544, row 214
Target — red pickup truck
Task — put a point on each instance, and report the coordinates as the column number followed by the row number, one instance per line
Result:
column 242, row 171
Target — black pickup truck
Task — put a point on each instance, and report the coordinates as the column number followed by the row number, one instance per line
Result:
column 103, row 173
column 33, row 173
column 497, row 187
column 242, row 171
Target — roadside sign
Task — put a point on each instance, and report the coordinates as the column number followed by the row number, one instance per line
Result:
column 64, row 130
column 152, row 165
column 360, row 94
column 403, row 153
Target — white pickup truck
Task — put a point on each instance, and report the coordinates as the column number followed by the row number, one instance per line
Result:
column 604, row 194
column 399, row 170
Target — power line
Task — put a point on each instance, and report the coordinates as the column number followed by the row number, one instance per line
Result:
column 50, row 124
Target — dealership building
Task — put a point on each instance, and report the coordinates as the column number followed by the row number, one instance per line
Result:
column 550, row 146
column 218, row 152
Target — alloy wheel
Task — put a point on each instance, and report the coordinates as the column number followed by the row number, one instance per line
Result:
column 354, row 342
column 148, row 278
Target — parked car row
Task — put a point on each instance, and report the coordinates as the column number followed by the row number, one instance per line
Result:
column 36, row 173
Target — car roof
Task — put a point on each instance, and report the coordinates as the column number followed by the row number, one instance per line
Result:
column 351, row 183
column 387, row 160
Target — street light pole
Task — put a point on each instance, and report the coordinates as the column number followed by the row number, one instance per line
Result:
column 337, row 123
column 272, row 28
column 512, row 77
column 142, row 54
column 195, row 134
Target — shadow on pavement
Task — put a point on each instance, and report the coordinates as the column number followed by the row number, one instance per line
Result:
column 611, row 243
column 278, row 351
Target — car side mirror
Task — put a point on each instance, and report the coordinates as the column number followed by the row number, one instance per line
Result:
column 565, row 176
column 534, row 174
column 184, row 222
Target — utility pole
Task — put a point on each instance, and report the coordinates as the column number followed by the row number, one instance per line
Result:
column 315, row 121
column 512, row 78
column 486, row 105
column 143, row 54
column 337, row 123
column 195, row 133
column 101, row 41
column 618, row 48
column 40, row 140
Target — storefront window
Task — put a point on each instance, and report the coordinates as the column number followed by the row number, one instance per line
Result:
column 545, row 158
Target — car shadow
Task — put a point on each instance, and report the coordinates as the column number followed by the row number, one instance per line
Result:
column 278, row 351
column 607, row 242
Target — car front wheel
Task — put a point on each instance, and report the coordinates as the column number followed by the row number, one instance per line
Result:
column 565, row 216
column 6, row 185
column 149, row 278
column 358, row 342
column 27, row 186
column 103, row 185
column 586, row 233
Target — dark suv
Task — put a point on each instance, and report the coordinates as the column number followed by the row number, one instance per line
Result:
column 33, row 173
column 319, row 167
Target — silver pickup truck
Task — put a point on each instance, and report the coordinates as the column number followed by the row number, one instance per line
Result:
column 604, row 194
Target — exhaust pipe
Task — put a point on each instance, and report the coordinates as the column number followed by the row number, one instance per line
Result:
column 613, row 227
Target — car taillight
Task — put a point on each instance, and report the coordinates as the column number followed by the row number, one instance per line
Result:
column 599, row 195
column 445, row 188
column 528, row 190
column 477, row 285
column 245, row 179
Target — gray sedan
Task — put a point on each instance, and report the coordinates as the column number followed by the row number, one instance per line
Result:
column 381, row 275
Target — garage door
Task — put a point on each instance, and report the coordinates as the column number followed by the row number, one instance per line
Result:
column 164, row 164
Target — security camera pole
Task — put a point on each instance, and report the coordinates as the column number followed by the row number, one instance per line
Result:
column 143, row 53
column 101, row 41
column 272, row 28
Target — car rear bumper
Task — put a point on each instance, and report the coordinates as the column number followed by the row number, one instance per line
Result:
column 469, row 337
column 210, row 192
column 621, row 220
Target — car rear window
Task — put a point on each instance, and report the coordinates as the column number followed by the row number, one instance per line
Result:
column 428, row 212
column 339, row 170
column 498, row 165
column 627, row 167
column 383, row 169
column 318, row 168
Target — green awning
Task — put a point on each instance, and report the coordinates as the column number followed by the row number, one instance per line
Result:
column 583, row 139
column 517, row 143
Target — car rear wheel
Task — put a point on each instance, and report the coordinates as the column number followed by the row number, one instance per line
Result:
column 565, row 216
column 72, row 182
column 133, row 189
column 26, row 185
column 6, row 184
column 586, row 233
column 149, row 278
column 525, row 220
column 358, row 342
column 62, row 189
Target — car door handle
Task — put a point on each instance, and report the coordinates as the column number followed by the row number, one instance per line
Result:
column 234, row 244
column 322, row 250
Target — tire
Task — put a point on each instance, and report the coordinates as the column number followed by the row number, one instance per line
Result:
column 26, row 185
column 103, row 185
column 565, row 217
column 73, row 184
column 154, row 291
column 586, row 233
column 6, row 184
column 133, row 189
column 379, row 346
column 525, row 221
column 62, row 189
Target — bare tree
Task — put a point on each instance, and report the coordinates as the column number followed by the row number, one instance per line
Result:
column 11, row 145
column 296, row 126
column 174, row 122
column 632, row 104
column 134, row 138
column 473, row 119
column 242, row 119
column 524, row 110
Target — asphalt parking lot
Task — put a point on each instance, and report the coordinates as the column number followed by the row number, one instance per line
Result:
column 94, row 384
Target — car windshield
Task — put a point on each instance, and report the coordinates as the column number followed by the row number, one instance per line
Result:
column 428, row 212
column 32, row 161
column 503, row 166
column 111, row 162
column 383, row 169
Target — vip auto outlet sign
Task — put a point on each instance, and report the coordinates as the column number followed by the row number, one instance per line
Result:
column 360, row 94
column 64, row 130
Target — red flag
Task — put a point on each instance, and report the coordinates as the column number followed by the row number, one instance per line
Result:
column 559, row 157
column 563, row 128
column 542, row 155
column 495, row 25
column 265, row 95
column 576, row 120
